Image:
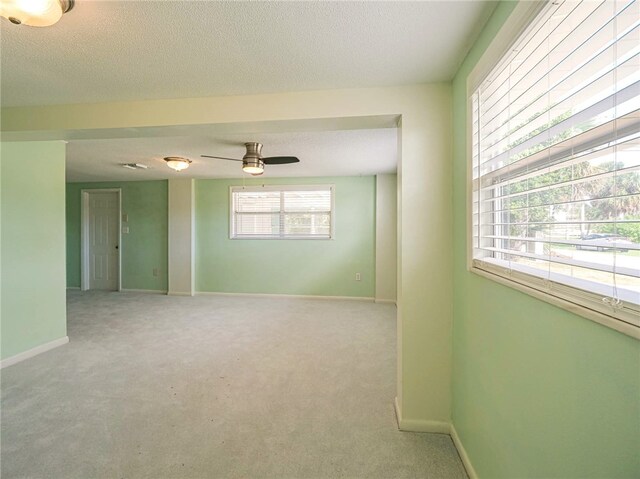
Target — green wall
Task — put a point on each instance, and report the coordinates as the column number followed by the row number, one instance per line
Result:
column 33, row 300
column 305, row 267
column 537, row 391
column 143, row 248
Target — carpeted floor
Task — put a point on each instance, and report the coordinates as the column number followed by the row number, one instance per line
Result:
column 157, row 387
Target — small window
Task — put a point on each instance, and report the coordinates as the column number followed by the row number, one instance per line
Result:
column 282, row 212
column 556, row 159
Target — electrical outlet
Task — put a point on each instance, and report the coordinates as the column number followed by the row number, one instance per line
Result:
column 155, row 271
column 125, row 230
column 358, row 277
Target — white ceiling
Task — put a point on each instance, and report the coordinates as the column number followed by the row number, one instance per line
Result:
column 151, row 49
column 321, row 153
column 125, row 50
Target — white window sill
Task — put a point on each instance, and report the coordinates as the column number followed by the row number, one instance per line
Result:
column 627, row 326
column 321, row 238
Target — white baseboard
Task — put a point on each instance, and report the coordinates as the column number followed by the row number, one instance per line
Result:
column 386, row 301
column 33, row 352
column 439, row 427
column 150, row 291
column 420, row 425
column 289, row 296
column 471, row 472
column 179, row 293
column 128, row 290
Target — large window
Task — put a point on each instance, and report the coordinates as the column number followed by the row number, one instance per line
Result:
column 556, row 159
column 282, row 212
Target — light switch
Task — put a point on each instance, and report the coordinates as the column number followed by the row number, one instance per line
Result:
column 125, row 217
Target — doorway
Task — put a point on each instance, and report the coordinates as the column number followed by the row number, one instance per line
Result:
column 101, row 252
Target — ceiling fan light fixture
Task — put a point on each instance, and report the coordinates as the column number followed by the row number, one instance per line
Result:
column 177, row 162
column 253, row 166
column 35, row 13
column 253, row 162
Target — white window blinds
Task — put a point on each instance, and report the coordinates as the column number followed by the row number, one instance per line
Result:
column 282, row 212
column 556, row 158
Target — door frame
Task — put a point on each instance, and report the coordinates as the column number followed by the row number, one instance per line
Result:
column 84, row 235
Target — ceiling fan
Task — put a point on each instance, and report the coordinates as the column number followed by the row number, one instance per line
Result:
column 253, row 162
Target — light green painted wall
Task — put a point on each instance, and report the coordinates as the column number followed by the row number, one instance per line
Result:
column 537, row 391
column 33, row 306
column 306, row 267
column 143, row 248
column 425, row 278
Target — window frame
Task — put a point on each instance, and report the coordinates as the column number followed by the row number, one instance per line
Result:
column 567, row 297
column 281, row 188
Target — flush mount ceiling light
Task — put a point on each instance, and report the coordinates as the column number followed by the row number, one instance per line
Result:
column 177, row 162
column 35, row 13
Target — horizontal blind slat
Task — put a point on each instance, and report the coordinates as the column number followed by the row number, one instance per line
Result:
column 632, row 196
column 624, row 150
column 628, row 94
column 512, row 126
column 634, row 273
column 587, row 56
column 533, row 45
column 607, row 134
column 576, row 242
column 553, row 186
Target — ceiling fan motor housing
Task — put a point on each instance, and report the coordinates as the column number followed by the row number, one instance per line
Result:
column 253, row 157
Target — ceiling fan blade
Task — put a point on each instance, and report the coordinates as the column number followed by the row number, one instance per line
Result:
column 280, row 160
column 219, row 158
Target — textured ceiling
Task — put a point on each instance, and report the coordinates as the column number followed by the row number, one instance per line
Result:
column 134, row 50
column 321, row 153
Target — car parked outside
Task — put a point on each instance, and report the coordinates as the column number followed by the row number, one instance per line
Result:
column 603, row 242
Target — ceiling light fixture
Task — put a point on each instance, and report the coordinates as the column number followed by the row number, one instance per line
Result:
column 253, row 166
column 35, row 13
column 253, row 162
column 177, row 162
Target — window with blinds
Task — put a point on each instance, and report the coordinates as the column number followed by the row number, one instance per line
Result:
column 556, row 158
column 282, row 212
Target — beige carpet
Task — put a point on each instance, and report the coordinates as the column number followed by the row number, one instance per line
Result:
column 152, row 386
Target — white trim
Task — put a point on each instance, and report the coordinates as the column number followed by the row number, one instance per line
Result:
column 420, row 425
column 289, row 296
column 437, row 427
column 509, row 33
column 584, row 292
column 462, row 452
column 84, row 234
column 179, row 293
column 520, row 17
column 73, row 288
column 149, row 291
column 386, row 301
column 43, row 348
column 275, row 187
column 279, row 238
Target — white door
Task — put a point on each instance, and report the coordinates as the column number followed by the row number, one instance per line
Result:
column 104, row 215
